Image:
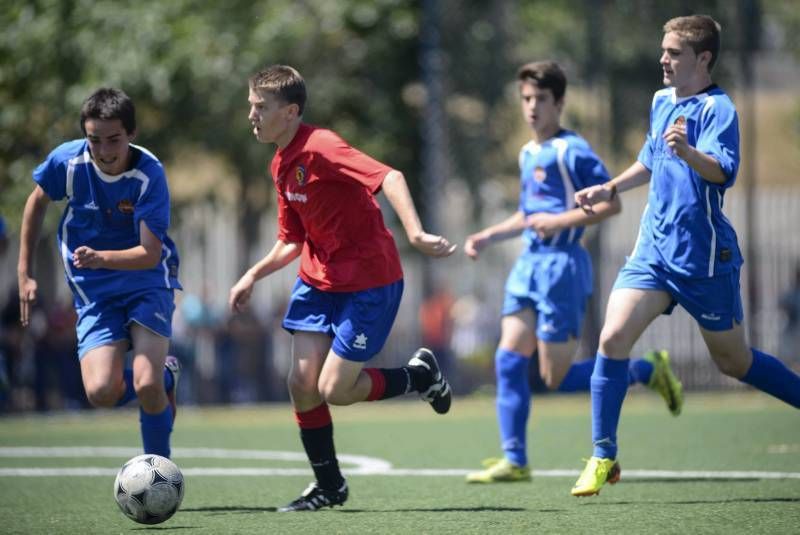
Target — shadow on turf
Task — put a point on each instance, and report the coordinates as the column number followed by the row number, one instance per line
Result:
column 700, row 502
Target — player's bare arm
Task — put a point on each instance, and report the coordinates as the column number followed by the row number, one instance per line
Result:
column 508, row 228
column 706, row 166
column 282, row 253
column 546, row 224
column 146, row 255
column 396, row 191
column 633, row 177
column 32, row 218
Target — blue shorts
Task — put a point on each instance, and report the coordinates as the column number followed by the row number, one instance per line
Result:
column 555, row 283
column 359, row 322
column 103, row 322
column 714, row 302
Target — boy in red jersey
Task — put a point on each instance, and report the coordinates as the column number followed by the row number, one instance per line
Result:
column 350, row 283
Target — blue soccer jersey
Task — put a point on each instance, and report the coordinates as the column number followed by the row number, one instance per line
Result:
column 103, row 212
column 683, row 228
column 550, row 174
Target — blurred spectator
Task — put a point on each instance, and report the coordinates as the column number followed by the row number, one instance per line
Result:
column 244, row 360
column 436, row 325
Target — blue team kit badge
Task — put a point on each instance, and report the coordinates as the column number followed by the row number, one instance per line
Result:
column 539, row 174
column 125, row 206
column 300, row 175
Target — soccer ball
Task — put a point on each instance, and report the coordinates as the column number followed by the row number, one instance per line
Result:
column 149, row 489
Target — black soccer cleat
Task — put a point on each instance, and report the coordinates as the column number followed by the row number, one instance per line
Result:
column 315, row 497
column 438, row 394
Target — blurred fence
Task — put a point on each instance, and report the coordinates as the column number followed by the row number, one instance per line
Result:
column 245, row 359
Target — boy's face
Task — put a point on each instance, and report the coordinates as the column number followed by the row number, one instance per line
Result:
column 540, row 109
column 109, row 144
column 682, row 68
column 270, row 117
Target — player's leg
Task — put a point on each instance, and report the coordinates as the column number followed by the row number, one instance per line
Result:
column 513, row 402
column 149, row 322
column 628, row 314
column 102, row 373
column 734, row 358
column 309, row 350
column 362, row 323
column 155, row 413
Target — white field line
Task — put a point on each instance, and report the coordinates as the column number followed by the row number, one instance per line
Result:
column 362, row 465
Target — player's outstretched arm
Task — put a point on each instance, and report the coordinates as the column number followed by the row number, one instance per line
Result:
column 396, row 191
column 281, row 254
column 32, row 217
column 634, row 176
column 513, row 226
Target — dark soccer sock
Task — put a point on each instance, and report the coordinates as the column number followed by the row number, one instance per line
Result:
column 388, row 382
column 316, row 432
column 640, row 371
column 609, row 386
column 771, row 376
column 578, row 376
column 513, row 403
column 156, row 429
column 130, row 393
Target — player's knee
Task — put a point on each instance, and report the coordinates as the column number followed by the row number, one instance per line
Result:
column 301, row 386
column 335, row 394
column 614, row 342
column 102, row 395
column 731, row 364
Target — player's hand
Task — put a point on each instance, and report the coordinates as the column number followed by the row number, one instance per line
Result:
column 543, row 224
column 240, row 294
column 588, row 197
column 675, row 137
column 433, row 245
column 87, row 258
column 475, row 244
column 27, row 298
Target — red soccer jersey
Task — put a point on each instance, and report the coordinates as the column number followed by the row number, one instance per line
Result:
column 326, row 201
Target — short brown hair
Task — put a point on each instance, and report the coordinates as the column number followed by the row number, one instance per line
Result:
column 283, row 82
column 700, row 32
column 544, row 75
column 108, row 103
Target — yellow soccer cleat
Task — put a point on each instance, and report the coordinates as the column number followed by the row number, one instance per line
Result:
column 597, row 473
column 500, row 471
column 664, row 381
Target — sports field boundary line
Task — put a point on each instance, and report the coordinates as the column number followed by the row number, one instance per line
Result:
column 361, row 465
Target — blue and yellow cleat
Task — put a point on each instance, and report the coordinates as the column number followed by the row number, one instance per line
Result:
column 597, row 473
column 500, row 471
column 664, row 381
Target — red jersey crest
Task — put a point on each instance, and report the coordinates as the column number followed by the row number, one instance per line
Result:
column 300, row 175
column 539, row 174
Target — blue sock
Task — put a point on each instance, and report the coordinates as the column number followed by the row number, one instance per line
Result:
column 578, row 376
column 156, row 429
column 130, row 393
column 609, row 385
column 580, row 373
column 770, row 375
column 640, row 371
column 513, row 403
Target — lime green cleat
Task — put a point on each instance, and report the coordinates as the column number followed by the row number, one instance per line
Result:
column 597, row 473
column 664, row 381
column 500, row 471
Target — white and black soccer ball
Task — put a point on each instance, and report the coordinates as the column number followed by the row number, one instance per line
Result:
column 149, row 489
